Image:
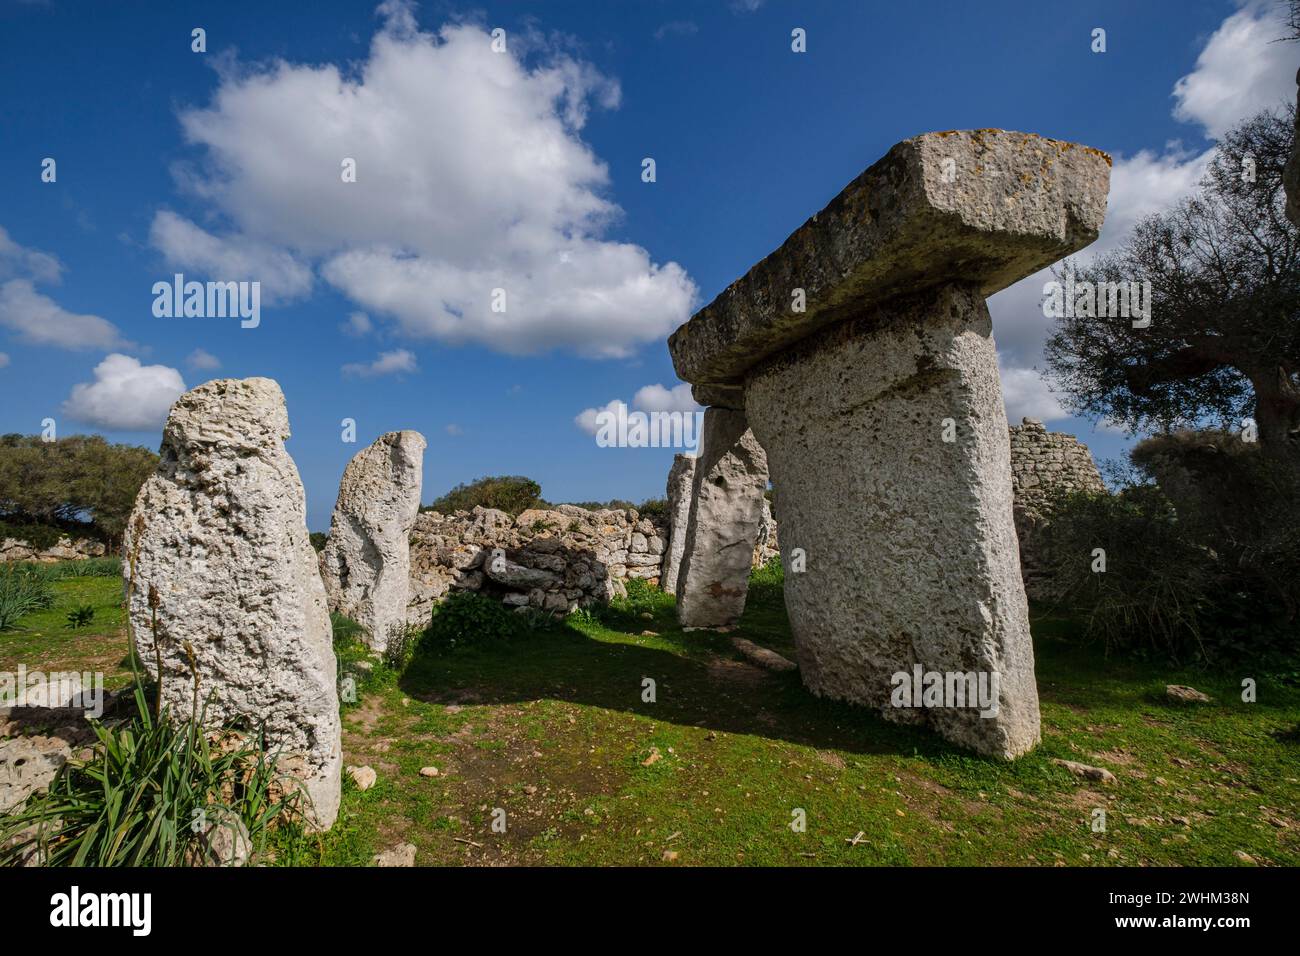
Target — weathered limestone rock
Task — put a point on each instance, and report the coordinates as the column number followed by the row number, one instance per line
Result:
column 217, row 550
column 366, row 563
column 911, row 549
column 681, row 479
column 726, row 510
column 912, row 554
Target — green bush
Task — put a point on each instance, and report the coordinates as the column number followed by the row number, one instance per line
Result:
column 767, row 584
column 512, row 494
column 52, row 571
column 39, row 536
column 318, row 539
column 469, row 618
column 145, row 794
column 1157, row 586
column 653, row 508
column 21, row 592
column 80, row 616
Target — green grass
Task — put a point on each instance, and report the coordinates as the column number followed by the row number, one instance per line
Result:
column 552, row 728
column 42, row 639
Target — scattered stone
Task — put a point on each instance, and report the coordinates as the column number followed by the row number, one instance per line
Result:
column 1244, row 857
column 1085, row 772
column 655, row 757
column 363, row 777
column 762, row 656
column 225, row 841
column 366, row 562
column 428, row 771
column 1185, row 695
column 669, row 856
column 217, row 549
column 401, row 855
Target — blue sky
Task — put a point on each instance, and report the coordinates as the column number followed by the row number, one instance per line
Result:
column 520, row 170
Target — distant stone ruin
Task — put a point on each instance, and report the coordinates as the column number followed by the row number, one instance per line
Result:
column 1044, row 465
column 225, row 598
column 860, row 354
column 550, row 560
column 366, row 562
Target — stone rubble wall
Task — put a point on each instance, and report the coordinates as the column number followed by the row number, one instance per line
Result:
column 11, row 549
column 1043, row 465
column 552, row 560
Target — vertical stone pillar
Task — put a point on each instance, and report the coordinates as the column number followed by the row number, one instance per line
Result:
column 726, row 509
column 911, row 548
column 225, row 598
column 681, row 481
column 366, row 563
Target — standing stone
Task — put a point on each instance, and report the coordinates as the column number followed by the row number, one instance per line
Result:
column 726, row 509
column 864, row 352
column 681, row 478
column 218, row 552
column 912, row 555
column 366, row 563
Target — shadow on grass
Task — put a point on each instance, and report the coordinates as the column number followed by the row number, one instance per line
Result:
column 699, row 681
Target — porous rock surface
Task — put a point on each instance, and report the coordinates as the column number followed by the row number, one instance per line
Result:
column 223, row 585
column 366, row 561
column 726, row 513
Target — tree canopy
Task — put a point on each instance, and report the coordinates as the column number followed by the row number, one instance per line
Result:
column 81, row 483
column 1223, row 342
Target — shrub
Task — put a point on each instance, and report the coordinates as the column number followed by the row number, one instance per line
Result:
column 39, row 536
column 512, row 494
column 653, row 508
column 1157, row 584
column 144, row 794
column 81, row 568
column 318, row 539
column 469, row 618
column 767, row 584
column 80, row 616
column 21, row 592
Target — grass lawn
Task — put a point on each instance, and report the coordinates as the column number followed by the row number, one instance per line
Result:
column 554, row 731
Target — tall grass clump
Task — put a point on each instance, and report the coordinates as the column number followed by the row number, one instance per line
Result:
column 148, row 794
column 21, row 592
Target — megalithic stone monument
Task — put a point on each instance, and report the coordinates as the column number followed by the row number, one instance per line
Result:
column 681, row 479
column 225, row 598
column 366, row 562
column 864, row 353
column 725, row 514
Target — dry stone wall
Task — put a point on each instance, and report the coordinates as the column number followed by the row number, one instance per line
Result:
column 1043, row 465
column 553, row 560
column 12, row 549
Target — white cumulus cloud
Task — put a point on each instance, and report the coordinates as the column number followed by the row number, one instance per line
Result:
column 648, row 398
column 1240, row 71
column 471, row 177
column 388, row 363
column 283, row 277
column 125, row 395
column 203, row 360
column 40, row 320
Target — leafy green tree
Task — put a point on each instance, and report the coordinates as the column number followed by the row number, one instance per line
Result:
column 79, row 483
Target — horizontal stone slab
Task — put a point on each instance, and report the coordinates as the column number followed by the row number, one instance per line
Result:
column 979, row 207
